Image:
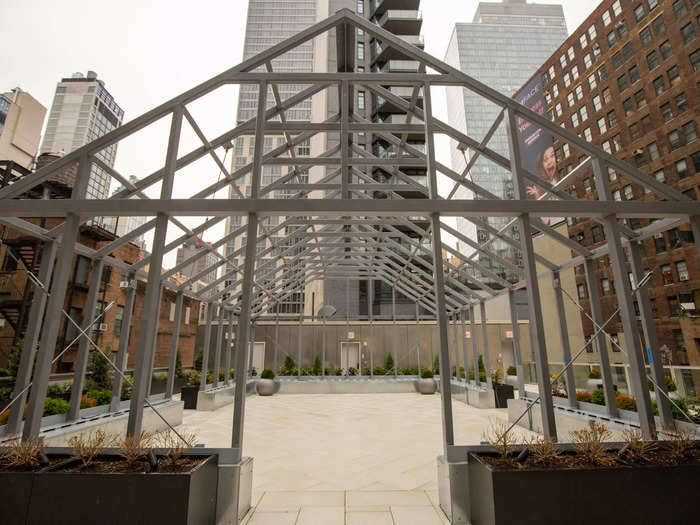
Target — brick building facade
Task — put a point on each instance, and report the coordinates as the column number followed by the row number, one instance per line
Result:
column 16, row 293
column 627, row 80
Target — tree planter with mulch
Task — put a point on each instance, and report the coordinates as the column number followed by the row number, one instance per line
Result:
column 502, row 393
column 572, row 492
column 107, row 492
column 189, row 394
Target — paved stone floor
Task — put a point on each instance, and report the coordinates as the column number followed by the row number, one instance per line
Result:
column 343, row 459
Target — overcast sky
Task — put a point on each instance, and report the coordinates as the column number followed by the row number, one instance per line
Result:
column 150, row 51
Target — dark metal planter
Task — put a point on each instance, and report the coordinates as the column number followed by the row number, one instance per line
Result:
column 102, row 498
column 502, row 393
column 189, row 394
column 621, row 495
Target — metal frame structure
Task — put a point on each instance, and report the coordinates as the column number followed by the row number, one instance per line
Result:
column 344, row 232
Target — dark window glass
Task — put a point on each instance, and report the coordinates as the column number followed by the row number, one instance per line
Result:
column 680, row 9
column 659, row 85
column 640, row 98
column 666, row 111
column 688, row 33
column 696, row 161
column 628, row 106
column 695, row 60
column 666, row 50
column 674, row 139
column 645, row 36
column 634, row 131
column 634, row 74
column 652, row 60
column 612, row 38
column 612, row 119
column 628, row 50
column 617, row 60
column 622, row 83
column 689, row 131
column 639, row 13
column 673, row 75
column 681, row 103
column 658, row 25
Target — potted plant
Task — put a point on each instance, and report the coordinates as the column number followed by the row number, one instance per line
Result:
column 544, row 482
column 266, row 385
column 594, row 379
column 501, row 392
column 190, row 390
column 426, row 384
column 511, row 376
column 135, row 482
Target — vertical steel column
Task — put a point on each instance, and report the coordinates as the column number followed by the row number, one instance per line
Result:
column 539, row 346
column 277, row 336
column 301, row 317
column 251, row 346
column 31, row 338
column 54, row 307
column 395, row 339
column 219, row 341
column 229, row 348
column 370, row 300
column 564, row 337
column 438, row 276
column 123, row 342
column 695, row 226
column 242, row 333
column 323, row 349
column 455, row 344
column 169, row 386
column 149, row 321
column 151, row 365
column 651, row 337
column 516, row 343
column 345, row 174
column 418, row 339
column 485, row 344
column 475, row 346
column 81, row 360
column 624, row 296
column 463, row 338
column 600, row 340
column 207, row 344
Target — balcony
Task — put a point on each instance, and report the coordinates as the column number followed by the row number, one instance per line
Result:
column 401, row 21
column 397, row 66
column 379, row 7
column 382, row 52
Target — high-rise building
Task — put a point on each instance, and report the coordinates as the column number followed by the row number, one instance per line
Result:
column 123, row 225
column 190, row 248
column 627, row 80
column 501, row 47
column 21, row 120
column 82, row 111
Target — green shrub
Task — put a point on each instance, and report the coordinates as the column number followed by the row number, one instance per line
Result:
column 316, row 368
column 625, row 402
column 339, row 371
column 4, row 372
column 389, row 365
column 90, row 384
column 125, row 391
column 409, row 371
column 193, row 378
column 198, row 358
column 497, row 376
column 178, row 364
column 511, row 371
column 231, row 373
column 675, row 411
column 584, row 395
column 267, row 374
column 222, row 376
column 380, row 371
column 102, row 397
column 14, row 358
column 5, row 392
column 594, row 374
column 162, row 376
column 56, row 390
column 426, row 373
column 87, row 402
column 670, row 384
column 253, row 372
column 436, row 365
column 352, row 371
column 55, row 406
column 598, row 396
column 100, row 370
column 289, row 367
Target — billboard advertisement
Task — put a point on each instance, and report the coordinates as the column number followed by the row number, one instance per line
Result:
column 537, row 145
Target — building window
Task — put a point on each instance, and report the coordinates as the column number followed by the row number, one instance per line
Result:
column 634, row 74
column 639, row 13
column 597, row 234
column 617, row 60
column 567, row 79
column 681, row 103
column 659, row 26
column 360, row 7
column 666, row 274
column 579, row 92
column 652, row 60
column 581, row 291
column 551, row 72
column 666, row 50
column 612, row 174
column 640, row 98
column 605, row 285
column 682, row 271
column 682, row 169
column 659, row 243
column 574, row 73
column 602, row 126
column 689, row 131
column 597, row 105
column 688, row 33
column 592, row 83
column 592, row 33
column 680, row 9
column 696, row 161
column 607, row 96
column 570, row 99
column 617, row 9
column 673, row 75
column 645, row 36
column 360, row 100
column 612, row 38
column 574, row 120
column 673, row 306
column 653, row 151
column 659, row 85
column 674, row 139
column 588, row 135
column 607, row 19
column 360, row 51
column 587, row 60
column 617, row 196
column 571, row 54
column 628, row 51
column 622, row 83
column 666, row 111
column 628, row 106
column 628, row 192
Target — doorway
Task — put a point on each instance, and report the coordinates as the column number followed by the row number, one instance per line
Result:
column 259, row 357
column 349, row 356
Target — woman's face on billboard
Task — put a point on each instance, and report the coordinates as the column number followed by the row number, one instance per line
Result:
column 549, row 164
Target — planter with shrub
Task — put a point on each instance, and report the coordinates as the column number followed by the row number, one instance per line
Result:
column 627, row 483
column 133, row 483
column 266, row 385
column 426, row 384
column 594, row 379
column 511, row 376
column 501, row 392
column 190, row 390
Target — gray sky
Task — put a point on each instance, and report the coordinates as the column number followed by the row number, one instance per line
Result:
column 150, row 51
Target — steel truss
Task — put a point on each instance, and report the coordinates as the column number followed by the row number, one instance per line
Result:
column 342, row 231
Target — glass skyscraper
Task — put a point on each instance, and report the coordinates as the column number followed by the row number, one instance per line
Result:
column 504, row 44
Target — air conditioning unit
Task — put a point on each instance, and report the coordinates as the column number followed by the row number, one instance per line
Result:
column 127, row 284
column 102, row 327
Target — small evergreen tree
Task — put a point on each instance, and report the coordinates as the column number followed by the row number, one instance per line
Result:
column 198, row 358
column 289, row 368
column 100, row 371
column 436, row 364
column 14, row 358
column 389, row 363
column 316, row 369
column 178, row 364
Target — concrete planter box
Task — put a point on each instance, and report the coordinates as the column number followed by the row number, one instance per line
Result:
column 214, row 398
column 189, row 394
column 511, row 380
column 76, row 497
column 480, row 398
column 426, row 386
column 266, row 387
column 621, row 495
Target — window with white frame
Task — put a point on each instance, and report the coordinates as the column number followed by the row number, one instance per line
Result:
column 583, row 40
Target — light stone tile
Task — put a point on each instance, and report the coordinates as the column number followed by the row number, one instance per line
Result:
column 284, row 500
column 368, row 518
column 415, row 515
column 274, row 518
column 321, row 516
column 390, row 498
